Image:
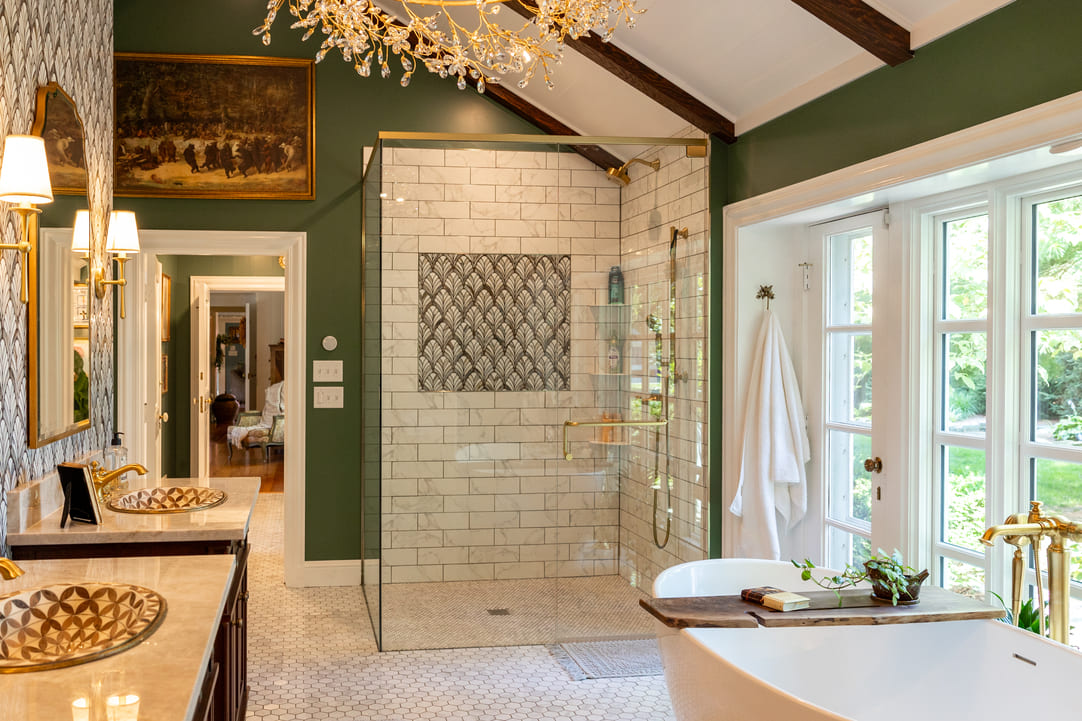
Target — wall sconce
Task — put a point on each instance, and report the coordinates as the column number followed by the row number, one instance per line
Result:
column 123, row 238
column 24, row 181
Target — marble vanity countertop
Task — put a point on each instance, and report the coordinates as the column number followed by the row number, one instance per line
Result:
column 165, row 671
column 227, row 522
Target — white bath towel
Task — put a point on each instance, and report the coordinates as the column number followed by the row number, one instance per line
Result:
column 775, row 449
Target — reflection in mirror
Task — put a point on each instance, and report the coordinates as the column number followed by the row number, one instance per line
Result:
column 59, row 338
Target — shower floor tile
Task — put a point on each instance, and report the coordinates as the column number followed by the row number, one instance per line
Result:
column 541, row 611
column 312, row 656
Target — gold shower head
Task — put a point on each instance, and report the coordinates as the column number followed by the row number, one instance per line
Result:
column 620, row 175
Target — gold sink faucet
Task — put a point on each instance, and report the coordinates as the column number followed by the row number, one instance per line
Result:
column 103, row 478
column 9, row 569
column 1022, row 529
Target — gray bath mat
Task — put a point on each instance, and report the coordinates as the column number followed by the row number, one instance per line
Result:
column 608, row 659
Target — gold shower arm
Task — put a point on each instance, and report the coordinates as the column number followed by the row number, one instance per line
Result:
column 599, row 424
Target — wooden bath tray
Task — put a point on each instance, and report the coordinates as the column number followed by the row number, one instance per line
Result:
column 857, row 609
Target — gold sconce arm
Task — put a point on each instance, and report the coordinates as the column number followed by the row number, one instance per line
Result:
column 24, row 210
column 600, row 424
column 100, row 282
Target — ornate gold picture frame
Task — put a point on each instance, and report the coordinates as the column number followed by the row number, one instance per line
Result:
column 214, row 126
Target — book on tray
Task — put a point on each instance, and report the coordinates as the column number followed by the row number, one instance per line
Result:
column 775, row 598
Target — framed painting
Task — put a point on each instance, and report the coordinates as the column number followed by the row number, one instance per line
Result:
column 57, row 121
column 214, row 126
column 167, row 307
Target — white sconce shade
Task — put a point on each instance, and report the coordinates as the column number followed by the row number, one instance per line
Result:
column 80, row 236
column 123, row 235
column 24, row 172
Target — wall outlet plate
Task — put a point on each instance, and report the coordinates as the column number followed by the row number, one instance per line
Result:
column 328, row 397
column 327, row 371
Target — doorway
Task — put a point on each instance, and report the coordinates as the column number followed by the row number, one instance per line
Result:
column 237, row 353
column 138, row 355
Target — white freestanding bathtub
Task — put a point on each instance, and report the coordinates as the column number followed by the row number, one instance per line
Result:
column 951, row 670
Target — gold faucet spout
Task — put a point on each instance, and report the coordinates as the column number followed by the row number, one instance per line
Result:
column 1007, row 530
column 103, row 478
column 9, row 569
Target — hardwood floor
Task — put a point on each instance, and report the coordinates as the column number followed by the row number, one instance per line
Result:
column 247, row 462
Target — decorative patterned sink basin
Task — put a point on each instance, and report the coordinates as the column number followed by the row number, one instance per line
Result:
column 68, row 624
column 174, row 499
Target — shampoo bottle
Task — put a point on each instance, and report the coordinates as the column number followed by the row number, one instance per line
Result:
column 616, row 286
column 614, row 355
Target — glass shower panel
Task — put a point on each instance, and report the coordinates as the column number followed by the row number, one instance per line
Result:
column 532, row 418
column 477, row 372
column 371, row 360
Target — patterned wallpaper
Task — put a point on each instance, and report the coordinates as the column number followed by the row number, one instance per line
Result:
column 494, row 322
column 39, row 37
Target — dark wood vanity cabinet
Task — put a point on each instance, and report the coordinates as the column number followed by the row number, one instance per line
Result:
column 231, row 645
column 224, row 694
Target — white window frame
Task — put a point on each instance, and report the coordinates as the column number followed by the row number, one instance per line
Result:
column 1008, row 203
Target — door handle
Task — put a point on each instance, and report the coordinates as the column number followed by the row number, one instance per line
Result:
column 164, row 417
column 873, row 465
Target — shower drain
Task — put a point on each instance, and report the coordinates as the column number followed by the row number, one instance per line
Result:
column 499, row 612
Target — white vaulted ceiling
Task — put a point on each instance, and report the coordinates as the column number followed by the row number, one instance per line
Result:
column 750, row 60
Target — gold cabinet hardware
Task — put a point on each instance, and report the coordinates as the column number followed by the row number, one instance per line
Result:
column 873, row 465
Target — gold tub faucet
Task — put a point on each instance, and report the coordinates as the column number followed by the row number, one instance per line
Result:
column 9, row 569
column 103, row 478
column 1021, row 529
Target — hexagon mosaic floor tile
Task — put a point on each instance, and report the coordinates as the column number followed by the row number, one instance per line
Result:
column 312, row 656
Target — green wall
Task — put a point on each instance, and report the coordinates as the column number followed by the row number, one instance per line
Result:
column 1023, row 55
column 350, row 111
column 1020, row 56
column 176, row 436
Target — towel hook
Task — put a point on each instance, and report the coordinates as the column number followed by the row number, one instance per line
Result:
column 765, row 291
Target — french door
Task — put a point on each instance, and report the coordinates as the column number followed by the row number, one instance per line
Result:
column 855, row 387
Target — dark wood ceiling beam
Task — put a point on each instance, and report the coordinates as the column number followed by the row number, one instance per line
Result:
column 527, row 111
column 646, row 80
column 864, row 25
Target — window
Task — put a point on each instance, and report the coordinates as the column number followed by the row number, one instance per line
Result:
column 959, row 442
column 1006, row 376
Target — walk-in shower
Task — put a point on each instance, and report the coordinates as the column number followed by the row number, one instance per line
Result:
column 520, row 419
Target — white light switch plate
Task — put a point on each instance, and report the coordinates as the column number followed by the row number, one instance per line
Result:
column 327, row 371
column 327, row 397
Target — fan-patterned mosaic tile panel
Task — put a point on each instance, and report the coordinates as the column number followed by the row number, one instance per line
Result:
column 41, row 39
column 494, row 322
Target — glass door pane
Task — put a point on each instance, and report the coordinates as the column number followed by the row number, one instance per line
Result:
column 848, row 404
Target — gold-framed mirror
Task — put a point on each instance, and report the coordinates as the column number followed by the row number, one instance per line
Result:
column 58, row 371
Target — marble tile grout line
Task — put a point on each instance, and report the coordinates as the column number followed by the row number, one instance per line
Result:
column 312, row 656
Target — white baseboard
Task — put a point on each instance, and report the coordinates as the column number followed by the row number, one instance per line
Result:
column 324, row 573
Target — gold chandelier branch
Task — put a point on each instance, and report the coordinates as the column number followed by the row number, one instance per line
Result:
column 430, row 35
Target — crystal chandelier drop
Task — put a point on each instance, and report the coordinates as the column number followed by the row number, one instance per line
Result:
column 367, row 35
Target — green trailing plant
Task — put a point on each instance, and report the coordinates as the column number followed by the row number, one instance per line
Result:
column 888, row 575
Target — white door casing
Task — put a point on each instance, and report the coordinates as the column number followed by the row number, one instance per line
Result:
column 293, row 246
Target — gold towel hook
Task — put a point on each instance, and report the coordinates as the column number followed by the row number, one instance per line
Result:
column 765, row 291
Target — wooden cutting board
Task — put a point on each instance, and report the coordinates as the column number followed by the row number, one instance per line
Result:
column 857, row 609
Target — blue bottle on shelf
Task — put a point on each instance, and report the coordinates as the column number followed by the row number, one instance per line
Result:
column 616, row 286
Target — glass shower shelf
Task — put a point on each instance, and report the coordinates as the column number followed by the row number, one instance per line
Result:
column 610, row 443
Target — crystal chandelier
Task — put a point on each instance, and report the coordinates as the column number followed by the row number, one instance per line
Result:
column 429, row 34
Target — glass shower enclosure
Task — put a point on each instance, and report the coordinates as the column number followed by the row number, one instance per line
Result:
column 534, row 369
